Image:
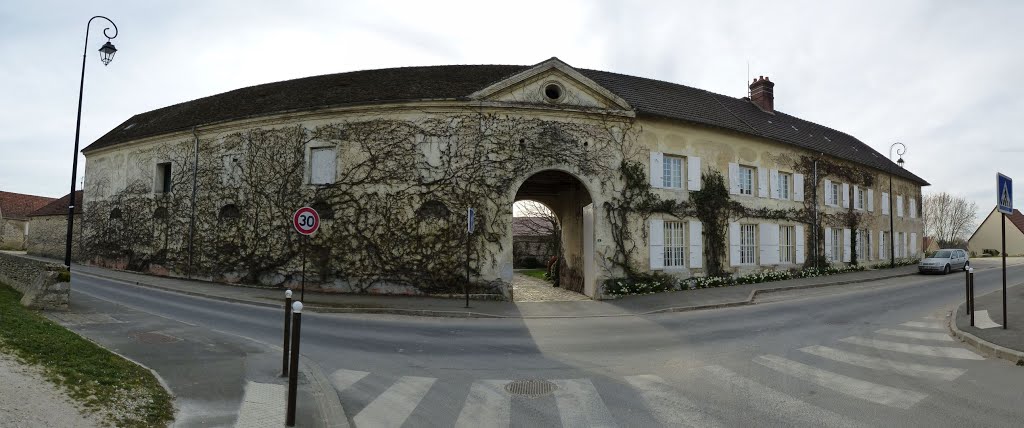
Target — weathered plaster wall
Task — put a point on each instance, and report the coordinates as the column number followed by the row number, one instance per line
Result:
column 12, row 234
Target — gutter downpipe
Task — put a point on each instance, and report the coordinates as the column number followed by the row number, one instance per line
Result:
column 815, row 225
column 192, row 207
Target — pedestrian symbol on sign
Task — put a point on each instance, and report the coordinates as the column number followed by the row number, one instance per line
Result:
column 1004, row 187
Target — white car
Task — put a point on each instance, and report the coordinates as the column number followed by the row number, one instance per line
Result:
column 944, row 261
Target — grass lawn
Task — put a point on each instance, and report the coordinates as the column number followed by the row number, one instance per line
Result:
column 536, row 273
column 128, row 394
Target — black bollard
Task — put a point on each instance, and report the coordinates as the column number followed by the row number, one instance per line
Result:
column 293, row 377
column 971, row 281
column 287, row 331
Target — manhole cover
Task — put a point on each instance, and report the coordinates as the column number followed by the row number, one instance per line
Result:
column 152, row 338
column 530, row 388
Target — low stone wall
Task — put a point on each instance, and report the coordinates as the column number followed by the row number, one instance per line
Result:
column 12, row 234
column 43, row 285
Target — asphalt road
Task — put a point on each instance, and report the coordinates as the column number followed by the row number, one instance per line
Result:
column 874, row 354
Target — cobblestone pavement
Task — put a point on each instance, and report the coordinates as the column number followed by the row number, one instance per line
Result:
column 529, row 289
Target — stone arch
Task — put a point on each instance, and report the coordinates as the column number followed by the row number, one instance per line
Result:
column 569, row 198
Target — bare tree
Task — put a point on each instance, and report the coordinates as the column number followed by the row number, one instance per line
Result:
column 946, row 217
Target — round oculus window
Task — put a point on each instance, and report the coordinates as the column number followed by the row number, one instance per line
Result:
column 553, row 92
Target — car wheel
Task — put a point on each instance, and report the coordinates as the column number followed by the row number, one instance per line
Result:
column 945, row 270
column 967, row 265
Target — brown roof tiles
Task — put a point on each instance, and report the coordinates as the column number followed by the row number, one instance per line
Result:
column 17, row 206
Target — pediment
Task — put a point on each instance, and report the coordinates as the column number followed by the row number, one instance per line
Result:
column 552, row 83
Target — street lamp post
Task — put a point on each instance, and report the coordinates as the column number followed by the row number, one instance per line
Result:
column 892, row 235
column 107, row 52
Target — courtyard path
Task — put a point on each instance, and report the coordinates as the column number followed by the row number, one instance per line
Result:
column 529, row 289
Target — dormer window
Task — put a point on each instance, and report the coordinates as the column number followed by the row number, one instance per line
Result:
column 553, row 92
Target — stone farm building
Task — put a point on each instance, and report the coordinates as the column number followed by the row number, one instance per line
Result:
column 14, row 221
column 644, row 176
column 48, row 229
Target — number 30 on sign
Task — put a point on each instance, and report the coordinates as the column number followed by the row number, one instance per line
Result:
column 306, row 220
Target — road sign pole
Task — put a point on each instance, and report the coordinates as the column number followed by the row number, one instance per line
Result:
column 287, row 331
column 1004, row 271
column 302, row 248
column 293, row 377
column 470, row 220
column 970, row 286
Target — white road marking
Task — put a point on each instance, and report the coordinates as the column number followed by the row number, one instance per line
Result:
column 909, row 369
column 263, row 405
column 770, row 401
column 394, row 405
column 668, row 405
column 930, row 351
column 873, row 392
column 927, row 325
column 942, row 337
column 488, row 405
column 579, row 405
column 342, row 379
column 982, row 320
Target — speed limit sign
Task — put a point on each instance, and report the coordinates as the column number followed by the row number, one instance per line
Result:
column 306, row 220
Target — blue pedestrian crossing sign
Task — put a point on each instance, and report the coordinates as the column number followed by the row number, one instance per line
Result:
column 1004, row 187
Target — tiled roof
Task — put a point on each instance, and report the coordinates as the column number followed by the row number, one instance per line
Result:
column 59, row 206
column 17, row 206
column 1017, row 219
column 647, row 96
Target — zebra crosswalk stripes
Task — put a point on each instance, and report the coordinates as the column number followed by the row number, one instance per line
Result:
column 342, row 379
column 941, row 337
column 669, row 406
column 394, row 406
column 931, row 351
column 909, row 369
column 770, row 401
column 925, row 325
column 579, row 405
column 488, row 405
column 873, row 392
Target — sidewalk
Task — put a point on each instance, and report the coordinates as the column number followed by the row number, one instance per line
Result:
column 455, row 307
column 990, row 337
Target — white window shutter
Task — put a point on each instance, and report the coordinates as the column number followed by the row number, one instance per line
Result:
column 828, row 244
column 734, row 244
column 871, row 200
column 846, row 245
column 657, row 170
column 657, row 240
column 696, row 244
column 856, row 244
column 734, row 178
column 798, row 230
column 913, row 243
column 856, row 197
column 768, row 245
column 886, row 206
column 899, row 206
column 762, row 182
column 846, row 195
column 773, row 183
column 828, row 193
column 322, row 165
column 692, row 173
column 913, row 208
column 903, row 250
column 881, row 244
column 798, row 187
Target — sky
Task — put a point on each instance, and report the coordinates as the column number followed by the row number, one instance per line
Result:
column 937, row 76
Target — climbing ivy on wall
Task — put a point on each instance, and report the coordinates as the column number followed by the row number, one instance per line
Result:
column 392, row 216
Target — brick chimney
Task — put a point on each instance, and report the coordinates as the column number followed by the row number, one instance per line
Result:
column 762, row 94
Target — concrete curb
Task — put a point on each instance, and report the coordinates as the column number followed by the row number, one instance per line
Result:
column 470, row 314
column 983, row 346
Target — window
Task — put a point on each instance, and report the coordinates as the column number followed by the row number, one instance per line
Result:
column 863, row 244
column 675, row 244
column 746, row 180
column 672, row 177
column 833, row 194
column 886, row 246
column 901, row 249
column 785, row 182
column 837, row 244
column 787, row 244
column 748, row 244
column 322, row 165
column 858, row 198
column 163, row 178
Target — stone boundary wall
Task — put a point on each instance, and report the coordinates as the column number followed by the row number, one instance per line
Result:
column 43, row 285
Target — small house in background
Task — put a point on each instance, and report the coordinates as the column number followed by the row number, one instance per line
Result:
column 533, row 242
column 987, row 239
column 929, row 244
column 14, row 211
column 48, row 229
